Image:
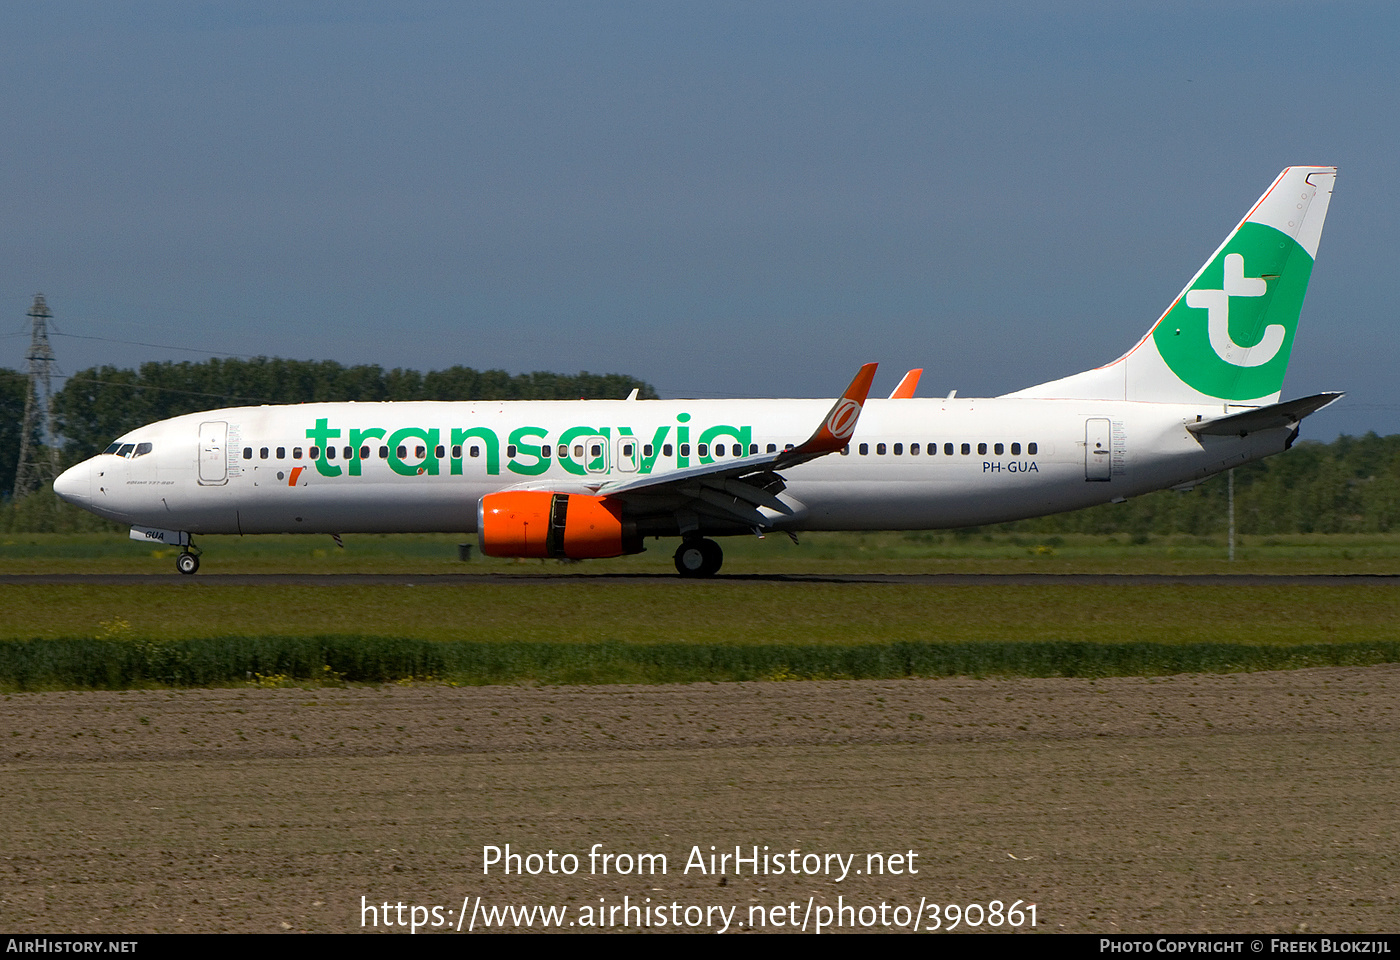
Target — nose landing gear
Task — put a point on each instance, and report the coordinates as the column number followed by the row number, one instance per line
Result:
column 697, row 557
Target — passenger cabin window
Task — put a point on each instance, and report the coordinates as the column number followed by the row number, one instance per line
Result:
column 753, row 448
column 646, row 449
column 966, row 449
column 281, row 453
column 898, row 449
column 1031, row 449
column 865, row 449
column 475, row 451
column 666, row 449
column 383, row 453
column 1015, row 449
column 703, row 449
column 439, row 450
column 981, row 449
column 247, row 453
column 262, row 454
column 330, row 453
column 948, row 450
column 998, row 449
column 846, row 450
column 880, row 449
column 296, row 453
column 510, row 451
column 544, row 451
column 364, row 453
column 772, row 448
column 420, row 452
column 401, row 452
column 685, row 449
column 314, row 453
column 913, row 449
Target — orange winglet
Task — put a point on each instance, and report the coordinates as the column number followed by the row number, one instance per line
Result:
column 839, row 424
column 908, row 385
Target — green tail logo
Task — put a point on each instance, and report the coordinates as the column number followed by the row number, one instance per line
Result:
column 1230, row 336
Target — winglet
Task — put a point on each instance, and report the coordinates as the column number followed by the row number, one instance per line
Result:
column 908, row 385
column 838, row 425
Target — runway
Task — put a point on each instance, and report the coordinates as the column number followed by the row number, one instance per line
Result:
column 536, row 579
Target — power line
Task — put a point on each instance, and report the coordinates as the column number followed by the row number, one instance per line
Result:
column 150, row 386
column 158, row 346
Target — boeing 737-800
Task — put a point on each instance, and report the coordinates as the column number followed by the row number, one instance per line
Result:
column 1198, row 394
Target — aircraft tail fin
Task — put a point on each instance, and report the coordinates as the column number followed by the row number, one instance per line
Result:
column 1228, row 335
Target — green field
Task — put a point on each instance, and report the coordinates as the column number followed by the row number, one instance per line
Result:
column 185, row 631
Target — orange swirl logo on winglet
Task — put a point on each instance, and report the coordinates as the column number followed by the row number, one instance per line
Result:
column 842, row 422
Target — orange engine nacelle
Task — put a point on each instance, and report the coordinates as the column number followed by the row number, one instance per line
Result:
column 540, row 523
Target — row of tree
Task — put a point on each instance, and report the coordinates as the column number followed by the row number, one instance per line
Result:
column 1349, row 485
column 101, row 403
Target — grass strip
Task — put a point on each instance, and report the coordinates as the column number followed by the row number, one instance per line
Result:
column 115, row 664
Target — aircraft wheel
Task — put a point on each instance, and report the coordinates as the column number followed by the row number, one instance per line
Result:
column 187, row 563
column 698, row 558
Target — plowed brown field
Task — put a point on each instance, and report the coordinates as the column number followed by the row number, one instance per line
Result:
column 1248, row 802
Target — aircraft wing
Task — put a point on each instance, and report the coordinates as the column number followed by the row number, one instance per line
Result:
column 735, row 490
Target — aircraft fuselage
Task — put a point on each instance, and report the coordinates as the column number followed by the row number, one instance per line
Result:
column 423, row 467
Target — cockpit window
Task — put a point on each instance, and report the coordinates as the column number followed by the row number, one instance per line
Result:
column 114, row 447
column 126, row 449
column 142, row 449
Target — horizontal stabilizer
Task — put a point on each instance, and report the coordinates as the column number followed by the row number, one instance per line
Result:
column 1265, row 418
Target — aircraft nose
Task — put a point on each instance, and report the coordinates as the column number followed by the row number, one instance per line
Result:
column 74, row 485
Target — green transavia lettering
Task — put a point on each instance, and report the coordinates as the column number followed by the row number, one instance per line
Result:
column 528, row 451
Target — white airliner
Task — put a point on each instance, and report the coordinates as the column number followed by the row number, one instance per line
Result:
column 578, row 479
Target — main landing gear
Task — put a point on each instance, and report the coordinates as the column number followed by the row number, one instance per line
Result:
column 188, row 560
column 696, row 557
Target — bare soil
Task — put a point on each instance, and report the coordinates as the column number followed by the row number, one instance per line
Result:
column 1250, row 802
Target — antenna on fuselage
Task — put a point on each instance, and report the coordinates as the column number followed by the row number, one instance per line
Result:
column 35, row 466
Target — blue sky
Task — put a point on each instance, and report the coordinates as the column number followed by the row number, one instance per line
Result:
column 727, row 199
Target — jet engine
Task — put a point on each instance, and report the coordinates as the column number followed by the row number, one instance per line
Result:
column 541, row 523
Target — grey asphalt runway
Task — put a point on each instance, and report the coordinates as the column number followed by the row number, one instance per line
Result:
column 922, row 579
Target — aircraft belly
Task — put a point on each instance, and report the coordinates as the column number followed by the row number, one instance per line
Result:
column 950, row 501
column 358, row 508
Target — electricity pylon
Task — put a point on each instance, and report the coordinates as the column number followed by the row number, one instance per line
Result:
column 35, row 466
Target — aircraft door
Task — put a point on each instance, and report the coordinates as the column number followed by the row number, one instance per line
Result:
column 626, row 454
column 213, row 456
column 595, row 454
column 1098, row 450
